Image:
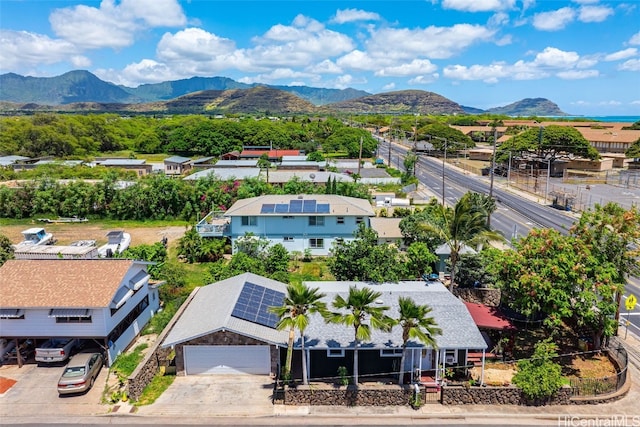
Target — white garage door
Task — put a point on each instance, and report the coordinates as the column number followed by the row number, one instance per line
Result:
column 227, row 359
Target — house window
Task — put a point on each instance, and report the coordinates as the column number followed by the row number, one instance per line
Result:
column 288, row 239
column 71, row 315
column 335, row 352
column 11, row 313
column 129, row 319
column 359, row 220
column 316, row 221
column 391, row 352
column 451, row 356
column 316, row 243
column 249, row 220
column 74, row 319
column 340, row 220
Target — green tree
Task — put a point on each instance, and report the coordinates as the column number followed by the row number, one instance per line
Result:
column 420, row 259
column 6, row 249
column 299, row 302
column 357, row 309
column 552, row 142
column 539, row 377
column 195, row 248
column 155, row 253
column 365, row 259
column 276, row 259
column 465, row 224
column 416, row 324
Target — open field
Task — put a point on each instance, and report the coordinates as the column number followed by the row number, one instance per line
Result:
column 69, row 232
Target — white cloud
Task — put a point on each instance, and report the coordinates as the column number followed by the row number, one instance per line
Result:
column 577, row 74
column 193, row 44
column 630, row 65
column 423, row 80
column 637, row 102
column 556, row 58
column 594, row 13
column 23, row 49
column 478, row 5
column 585, row 1
column 621, row 54
column 325, row 67
column 389, row 87
column 487, row 73
column 635, row 39
column 147, row 71
column 352, row 15
column 498, row 20
column 80, row 61
column 610, row 103
column 113, row 25
column 415, row 67
column 555, row 20
column 431, row 42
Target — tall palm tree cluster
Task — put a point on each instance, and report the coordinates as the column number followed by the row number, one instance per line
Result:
column 358, row 311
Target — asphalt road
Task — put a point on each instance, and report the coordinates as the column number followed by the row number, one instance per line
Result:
column 517, row 215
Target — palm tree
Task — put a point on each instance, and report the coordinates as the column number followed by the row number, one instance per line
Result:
column 360, row 307
column 299, row 302
column 465, row 224
column 416, row 323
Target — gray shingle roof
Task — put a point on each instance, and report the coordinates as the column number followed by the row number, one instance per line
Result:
column 210, row 310
column 451, row 315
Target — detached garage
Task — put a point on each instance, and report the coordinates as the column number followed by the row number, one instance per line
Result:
column 227, row 328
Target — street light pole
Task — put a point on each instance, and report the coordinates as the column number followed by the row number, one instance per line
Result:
column 444, row 160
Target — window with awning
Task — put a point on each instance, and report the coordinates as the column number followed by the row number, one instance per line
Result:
column 121, row 297
column 71, row 315
column 139, row 280
column 11, row 313
column 69, row 312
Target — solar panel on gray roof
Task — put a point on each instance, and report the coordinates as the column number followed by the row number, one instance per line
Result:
column 268, row 208
column 323, row 208
column 282, row 208
column 253, row 304
column 295, row 206
column 309, row 206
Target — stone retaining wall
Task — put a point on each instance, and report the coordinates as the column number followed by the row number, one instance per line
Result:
column 486, row 296
column 497, row 396
column 349, row 396
column 148, row 368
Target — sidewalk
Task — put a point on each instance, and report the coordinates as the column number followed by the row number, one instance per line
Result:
column 625, row 408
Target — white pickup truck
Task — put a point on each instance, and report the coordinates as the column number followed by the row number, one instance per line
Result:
column 56, row 349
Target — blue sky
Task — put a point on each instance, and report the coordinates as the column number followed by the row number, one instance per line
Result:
column 582, row 54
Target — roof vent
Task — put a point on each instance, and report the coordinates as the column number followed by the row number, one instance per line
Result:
column 299, row 197
column 379, row 302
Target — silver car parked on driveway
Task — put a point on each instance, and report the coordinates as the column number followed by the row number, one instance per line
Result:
column 80, row 374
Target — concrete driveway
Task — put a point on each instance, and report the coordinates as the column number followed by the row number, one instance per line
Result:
column 35, row 393
column 215, row 395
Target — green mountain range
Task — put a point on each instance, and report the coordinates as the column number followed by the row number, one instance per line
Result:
column 82, row 91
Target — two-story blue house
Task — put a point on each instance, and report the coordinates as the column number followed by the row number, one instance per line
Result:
column 299, row 222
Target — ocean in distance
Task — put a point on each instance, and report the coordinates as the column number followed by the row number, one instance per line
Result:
column 619, row 119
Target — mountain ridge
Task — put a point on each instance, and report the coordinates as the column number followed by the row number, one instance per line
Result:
column 80, row 90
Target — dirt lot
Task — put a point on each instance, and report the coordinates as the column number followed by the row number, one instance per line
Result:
column 67, row 233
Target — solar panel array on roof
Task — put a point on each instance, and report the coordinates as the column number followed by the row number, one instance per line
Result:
column 253, row 304
column 268, row 208
column 296, row 206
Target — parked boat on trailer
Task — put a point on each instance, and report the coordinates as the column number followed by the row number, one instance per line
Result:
column 36, row 236
column 117, row 242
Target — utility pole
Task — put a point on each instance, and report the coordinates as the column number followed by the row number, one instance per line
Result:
column 492, row 170
column 360, row 156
